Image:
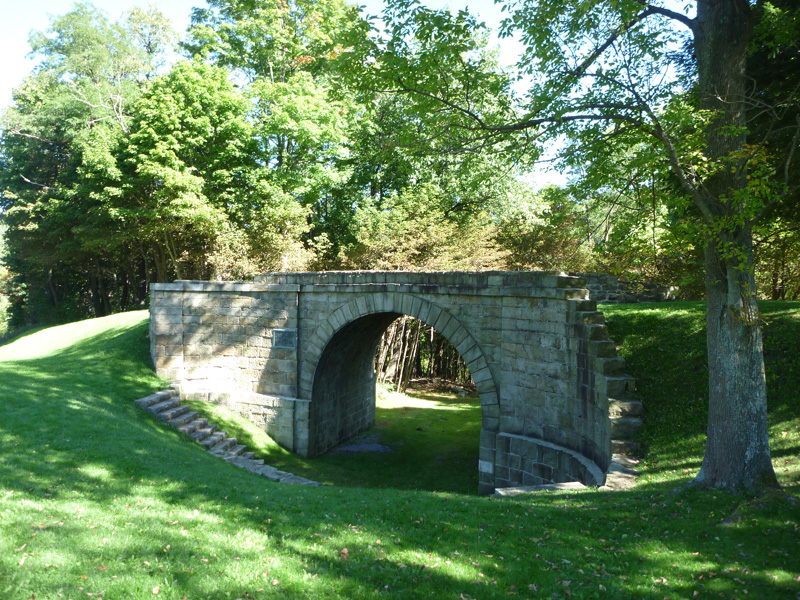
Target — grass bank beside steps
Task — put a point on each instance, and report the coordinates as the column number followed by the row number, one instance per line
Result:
column 100, row 500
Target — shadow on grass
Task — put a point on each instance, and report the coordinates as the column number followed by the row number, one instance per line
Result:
column 664, row 347
column 426, row 442
column 122, row 506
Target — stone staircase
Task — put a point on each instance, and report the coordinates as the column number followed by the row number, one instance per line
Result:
column 625, row 412
column 166, row 406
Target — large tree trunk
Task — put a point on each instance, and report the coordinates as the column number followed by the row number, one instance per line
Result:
column 737, row 444
column 737, row 448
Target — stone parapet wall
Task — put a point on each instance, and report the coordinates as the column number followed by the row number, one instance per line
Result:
column 609, row 288
column 294, row 352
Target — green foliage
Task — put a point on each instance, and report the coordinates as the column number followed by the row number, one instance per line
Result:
column 408, row 233
column 5, row 284
column 546, row 231
column 271, row 40
column 184, row 162
column 58, row 149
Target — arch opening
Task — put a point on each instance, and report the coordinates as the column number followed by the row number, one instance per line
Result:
column 428, row 439
column 343, row 393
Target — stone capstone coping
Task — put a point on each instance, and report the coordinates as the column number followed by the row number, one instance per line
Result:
column 539, row 284
column 510, row 492
column 163, row 405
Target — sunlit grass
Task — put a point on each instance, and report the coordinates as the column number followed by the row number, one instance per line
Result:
column 100, row 500
column 664, row 346
column 430, row 441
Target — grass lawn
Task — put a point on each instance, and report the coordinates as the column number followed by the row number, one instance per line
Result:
column 664, row 346
column 100, row 500
column 430, row 439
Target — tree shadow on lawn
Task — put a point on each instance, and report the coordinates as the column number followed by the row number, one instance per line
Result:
column 123, row 504
column 207, row 530
column 430, row 444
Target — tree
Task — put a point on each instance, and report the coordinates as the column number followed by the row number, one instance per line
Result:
column 775, row 70
column 600, row 75
column 5, row 284
column 68, row 118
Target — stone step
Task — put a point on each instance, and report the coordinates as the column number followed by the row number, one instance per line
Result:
column 173, row 413
column 184, row 419
column 193, row 426
column 624, row 408
column 625, row 428
column 591, row 317
column 629, row 462
column 152, row 399
column 165, row 405
column 238, row 450
column 212, row 440
column 203, row 433
column 620, row 386
column 224, row 444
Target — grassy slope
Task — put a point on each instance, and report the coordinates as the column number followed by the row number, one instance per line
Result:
column 98, row 499
column 664, row 346
column 435, row 430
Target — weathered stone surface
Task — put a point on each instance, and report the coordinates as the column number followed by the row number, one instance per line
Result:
column 294, row 352
column 166, row 406
column 546, row 487
column 608, row 288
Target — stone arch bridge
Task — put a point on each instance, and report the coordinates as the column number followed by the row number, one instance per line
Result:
column 294, row 352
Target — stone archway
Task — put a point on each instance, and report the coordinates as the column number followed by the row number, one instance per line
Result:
column 289, row 348
column 343, row 384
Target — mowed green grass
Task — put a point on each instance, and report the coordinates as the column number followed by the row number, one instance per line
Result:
column 429, row 441
column 100, row 500
column 664, row 346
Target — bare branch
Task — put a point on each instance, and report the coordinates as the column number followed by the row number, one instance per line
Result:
column 26, row 180
column 31, row 136
column 671, row 14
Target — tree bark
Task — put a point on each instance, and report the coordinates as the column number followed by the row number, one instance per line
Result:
column 737, row 447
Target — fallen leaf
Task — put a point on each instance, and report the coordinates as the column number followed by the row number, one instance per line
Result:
column 156, row 590
column 275, row 582
column 345, row 554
